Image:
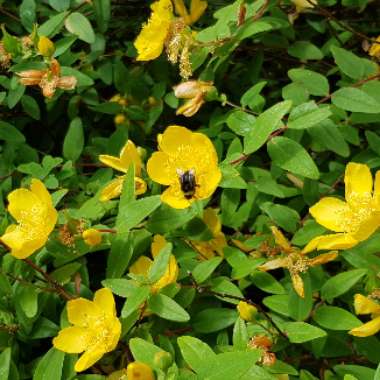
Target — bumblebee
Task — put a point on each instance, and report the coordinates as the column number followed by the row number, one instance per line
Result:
column 187, row 182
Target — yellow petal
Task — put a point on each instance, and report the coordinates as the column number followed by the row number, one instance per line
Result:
column 210, row 217
column 169, row 277
column 112, row 190
column 158, row 243
column 139, row 371
column 113, row 162
column 208, row 183
column 175, row 198
column 24, row 205
column 274, row 264
column 246, row 311
column 160, row 169
column 115, row 332
column 298, row 284
column 173, row 137
column 204, row 248
column 364, row 305
column 128, row 155
column 38, row 188
column 89, row 358
column 374, row 51
column 181, row 10
column 197, row 8
column 332, row 241
column 141, row 266
column 140, row 186
column 367, row 226
column 104, row 299
column 368, row 329
column 82, row 312
column 358, row 181
column 323, row 259
column 73, row 340
column 280, row 239
column 376, row 192
column 331, row 213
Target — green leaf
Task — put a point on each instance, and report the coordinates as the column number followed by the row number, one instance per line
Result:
column 266, row 282
column 291, row 156
column 10, row 133
column 301, row 118
column 377, row 374
column 133, row 302
column 300, row 332
column 28, row 14
column 335, row 318
column 31, row 107
column 315, row 83
column 305, row 50
column 74, row 140
column 59, row 5
column 160, row 263
column 53, row 25
column 214, row 319
column 240, row 334
column 120, row 255
column 241, row 122
column 120, row 286
column 341, row 283
column 144, row 351
column 50, row 366
column 102, row 13
column 355, row 100
column 265, row 124
column 5, row 363
column 195, row 352
column 166, row 308
column 28, row 298
column 79, row 25
column 361, row 372
column 204, row 269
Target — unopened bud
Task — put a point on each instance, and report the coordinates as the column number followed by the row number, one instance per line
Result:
column 139, row 371
column 246, row 311
column 119, row 119
column 92, row 237
column 45, row 46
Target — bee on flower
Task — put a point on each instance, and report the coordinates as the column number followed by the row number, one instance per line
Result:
column 36, row 218
column 128, row 155
column 353, row 220
column 96, row 329
column 186, row 162
column 294, row 260
column 164, row 30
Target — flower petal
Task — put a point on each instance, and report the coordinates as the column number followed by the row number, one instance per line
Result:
column 128, row 155
column 141, row 266
column 208, row 183
column 197, row 8
column 82, row 312
column 324, row 258
column 368, row 329
column 112, row 190
column 38, row 188
column 173, row 137
column 73, row 340
column 280, row 239
column 364, row 305
column 331, row 213
column 376, row 191
column 358, row 181
column 169, row 277
column 89, row 358
column 274, row 264
column 181, row 10
column 298, row 284
column 368, row 226
column 158, row 243
column 113, row 162
column 104, row 299
column 210, row 217
column 175, row 198
column 160, row 169
column 24, row 205
column 332, row 241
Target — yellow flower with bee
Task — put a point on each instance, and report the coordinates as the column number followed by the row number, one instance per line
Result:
column 354, row 220
column 96, row 329
column 36, row 217
column 128, row 155
column 186, row 162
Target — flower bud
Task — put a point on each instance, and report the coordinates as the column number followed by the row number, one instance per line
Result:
column 139, row 371
column 119, row 119
column 246, row 311
column 45, row 47
column 92, row 237
column 191, row 88
column 163, row 360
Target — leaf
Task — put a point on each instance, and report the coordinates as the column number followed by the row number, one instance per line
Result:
column 305, row 50
column 120, row 255
column 291, row 156
column 355, row 100
column 335, row 318
column 144, row 351
column 309, row 118
column 79, row 25
column 102, row 13
column 166, row 308
column 195, row 352
column 133, row 302
column 10, row 133
column 214, row 319
column 27, row 296
column 204, row 269
column 28, row 14
column 120, row 286
column 341, row 283
column 286, row 217
column 53, row 25
column 160, row 263
column 5, row 363
column 265, row 124
column 50, row 366
column 266, row 282
column 59, row 5
column 241, row 122
column 360, row 372
column 74, row 140
column 300, row 332
column 240, row 335
column 315, row 83
column 31, row 107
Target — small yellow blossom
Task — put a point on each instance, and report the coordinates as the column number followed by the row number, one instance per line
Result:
column 186, row 162
column 96, row 329
column 48, row 80
column 119, row 119
column 197, row 8
column 36, row 217
column 139, row 371
column 354, row 220
column 366, row 305
column 210, row 248
column 302, row 5
column 195, row 91
column 92, row 237
column 128, row 155
column 295, row 261
column 246, row 311
column 142, row 265
column 45, row 46
column 374, row 50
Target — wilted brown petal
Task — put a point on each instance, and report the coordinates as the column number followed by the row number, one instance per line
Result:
column 274, row 264
column 67, row 83
column 298, row 284
column 324, row 258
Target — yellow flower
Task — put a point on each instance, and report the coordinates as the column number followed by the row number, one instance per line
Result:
column 365, row 305
column 210, row 248
column 128, row 155
column 246, row 311
column 194, row 91
column 150, row 42
column 119, row 119
column 96, row 329
column 139, row 371
column 33, row 210
column 45, row 46
column 295, row 261
column 197, row 8
column 374, row 51
column 186, row 162
column 92, row 237
column 142, row 265
column 354, row 220
column 301, row 5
